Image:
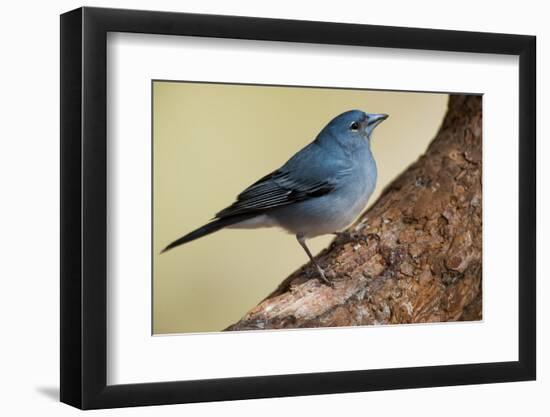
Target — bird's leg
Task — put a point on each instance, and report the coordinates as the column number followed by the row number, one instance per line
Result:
column 302, row 242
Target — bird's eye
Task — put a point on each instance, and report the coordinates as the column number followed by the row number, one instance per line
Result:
column 354, row 126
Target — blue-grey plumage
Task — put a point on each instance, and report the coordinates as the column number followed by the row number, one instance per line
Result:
column 322, row 189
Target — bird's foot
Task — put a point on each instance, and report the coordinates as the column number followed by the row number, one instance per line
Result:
column 372, row 236
column 357, row 237
column 324, row 279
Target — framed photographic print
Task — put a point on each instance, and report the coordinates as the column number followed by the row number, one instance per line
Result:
column 257, row 207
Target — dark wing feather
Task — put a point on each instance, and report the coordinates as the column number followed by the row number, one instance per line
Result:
column 274, row 190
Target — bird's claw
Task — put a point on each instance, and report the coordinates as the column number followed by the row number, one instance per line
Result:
column 355, row 237
column 324, row 280
column 327, row 282
column 372, row 236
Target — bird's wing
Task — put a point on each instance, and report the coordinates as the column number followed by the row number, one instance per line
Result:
column 276, row 189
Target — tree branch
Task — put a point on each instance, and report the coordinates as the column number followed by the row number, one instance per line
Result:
column 417, row 252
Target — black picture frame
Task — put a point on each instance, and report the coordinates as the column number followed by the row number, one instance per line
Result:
column 84, row 209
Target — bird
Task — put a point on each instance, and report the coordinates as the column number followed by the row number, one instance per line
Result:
column 320, row 190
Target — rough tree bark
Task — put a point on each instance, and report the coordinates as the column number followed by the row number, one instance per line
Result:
column 416, row 253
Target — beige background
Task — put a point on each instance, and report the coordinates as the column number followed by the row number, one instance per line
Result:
column 210, row 141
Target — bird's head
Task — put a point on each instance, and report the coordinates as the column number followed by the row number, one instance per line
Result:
column 352, row 128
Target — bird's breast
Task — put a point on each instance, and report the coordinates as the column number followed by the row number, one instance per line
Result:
column 352, row 199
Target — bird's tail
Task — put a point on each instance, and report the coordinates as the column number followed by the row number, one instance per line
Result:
column 208, row 228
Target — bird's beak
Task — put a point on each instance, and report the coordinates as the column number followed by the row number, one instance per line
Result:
column 374, row 120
